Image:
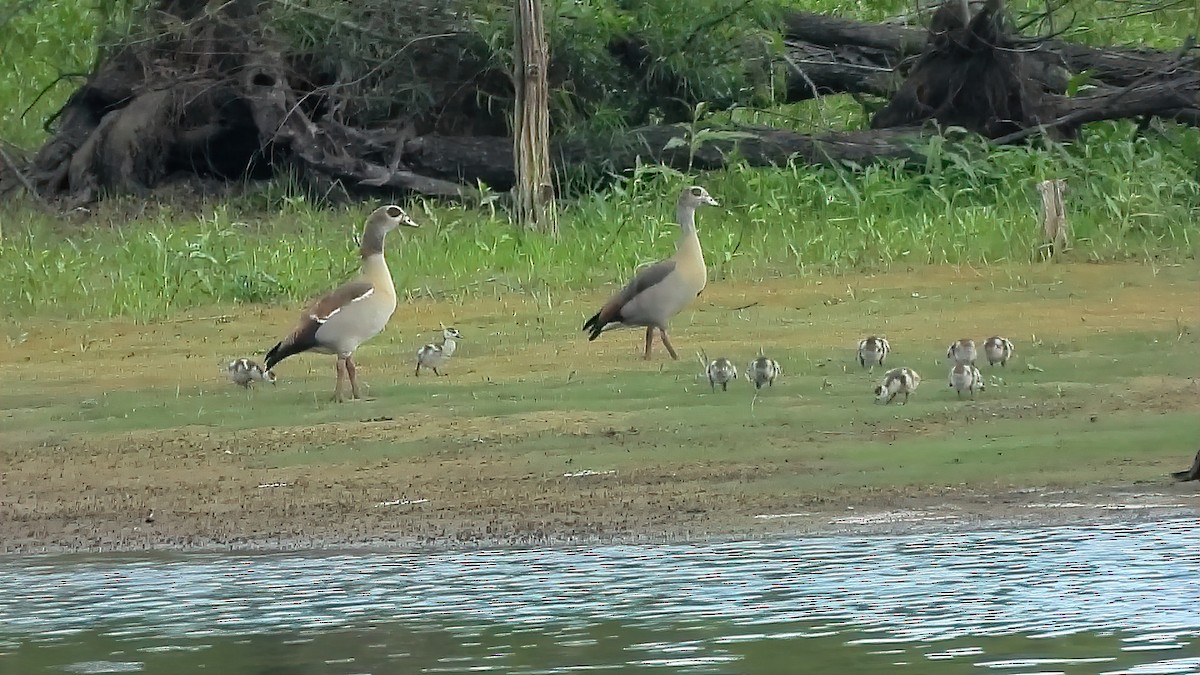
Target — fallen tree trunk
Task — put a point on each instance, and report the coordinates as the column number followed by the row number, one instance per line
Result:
column 846, row 56
column 215, row 98
column 972, row 75
column 489, row 158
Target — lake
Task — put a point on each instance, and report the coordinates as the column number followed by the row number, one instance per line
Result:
column 1113, row 598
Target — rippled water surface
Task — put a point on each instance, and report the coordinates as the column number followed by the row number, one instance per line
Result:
column 1113, row 599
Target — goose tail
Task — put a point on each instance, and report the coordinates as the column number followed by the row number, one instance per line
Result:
column 594, row 326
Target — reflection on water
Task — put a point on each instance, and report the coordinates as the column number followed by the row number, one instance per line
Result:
column 1113, row 599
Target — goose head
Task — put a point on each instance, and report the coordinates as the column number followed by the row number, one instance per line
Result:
column 381, row 221
column 696, row 196
column 388, row 218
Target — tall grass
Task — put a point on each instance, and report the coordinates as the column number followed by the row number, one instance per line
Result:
column 1131, row 195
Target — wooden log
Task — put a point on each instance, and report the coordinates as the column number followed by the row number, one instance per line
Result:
column 845, row 45
column 489, row 158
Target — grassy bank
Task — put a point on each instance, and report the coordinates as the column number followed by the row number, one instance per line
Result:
column 1130, row 197
column 111, row 419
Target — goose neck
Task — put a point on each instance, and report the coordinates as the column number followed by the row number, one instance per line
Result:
column 375, row 268
column 449, row 345
column 372, row 241
column 685, row 214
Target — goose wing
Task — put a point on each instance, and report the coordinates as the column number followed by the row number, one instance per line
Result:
column 644, row 280
column 304, row 336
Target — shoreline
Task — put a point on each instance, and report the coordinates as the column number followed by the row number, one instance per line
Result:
column 1084, row 507
column 538, row 437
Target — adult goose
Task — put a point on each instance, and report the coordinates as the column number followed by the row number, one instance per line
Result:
column 662, row 290
column 349, row 315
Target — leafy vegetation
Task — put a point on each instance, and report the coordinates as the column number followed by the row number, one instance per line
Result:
column 1133, row 194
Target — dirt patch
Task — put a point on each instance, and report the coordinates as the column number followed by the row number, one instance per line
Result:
column 209, row 499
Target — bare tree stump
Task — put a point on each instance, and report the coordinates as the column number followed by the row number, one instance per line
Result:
column 531, row 120
column 1054, row 218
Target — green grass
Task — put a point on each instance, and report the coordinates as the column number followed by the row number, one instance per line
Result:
column 50, row 47
column 107, row 418
column 1130, row 197
column 1068, row 411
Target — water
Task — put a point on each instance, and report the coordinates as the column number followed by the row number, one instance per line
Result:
column 1112, row 599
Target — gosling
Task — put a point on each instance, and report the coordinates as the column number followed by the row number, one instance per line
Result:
column 967, row 378
column 962, row 352
column 433, row 356
column 873, row 351
column 763, row 371
column 895, row 382
column 721, row 371
column 998, row 350
column 244, row 372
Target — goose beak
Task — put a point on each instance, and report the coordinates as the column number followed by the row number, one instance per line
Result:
column 710, row 201
column 408, row 222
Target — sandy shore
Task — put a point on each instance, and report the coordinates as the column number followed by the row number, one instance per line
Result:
column 203, row 499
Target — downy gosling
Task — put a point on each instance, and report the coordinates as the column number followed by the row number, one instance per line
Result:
column 433, row 356
column 965, row 377
column 895, row 382
column 962, row 351
column 872, row 351
column 721, row 371
column 763, row 371
column 244, row 372
column 998, row 350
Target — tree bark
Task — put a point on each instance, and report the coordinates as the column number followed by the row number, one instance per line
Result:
column 531, row 125
column 221, row 101
column 491, row 156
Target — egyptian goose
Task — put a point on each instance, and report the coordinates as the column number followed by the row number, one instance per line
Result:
column 962, row 351
column 763, row 371
column 662, row 290
column 873, row 350
column 895, row 382
column 1189, row 474
column 433, row 356
column 722, row 372
column 244, row 372
column 998, row 350
column 965, row 377
column 349, row 315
